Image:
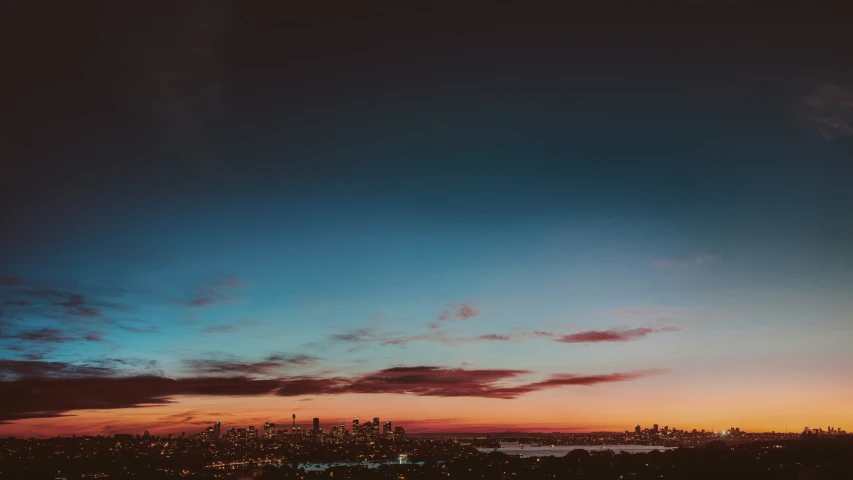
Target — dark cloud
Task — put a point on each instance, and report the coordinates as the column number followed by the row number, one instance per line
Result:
column 10, row 281
column 16, row 303
column 435, row 381
column 613, row 335
column 270, row 365
column 53, row 335
column 33, row 368
column 58, row 304
column 93, row 337
column 48, row 389
column 47, row 335
column 49, row 397
column 213, row 292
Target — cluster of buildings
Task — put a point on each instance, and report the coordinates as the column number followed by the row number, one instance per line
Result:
column 362, row 431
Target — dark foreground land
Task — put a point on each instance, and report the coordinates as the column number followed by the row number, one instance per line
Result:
column 104, row 457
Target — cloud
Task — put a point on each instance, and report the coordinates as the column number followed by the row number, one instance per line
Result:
column 229, row 327
column 431, row 337
column 462, row 311
column 105, row 367
column 366, row 335
column 46, row 335
column 613, row 335
column 48, row 389
column 214, row 292
column 6, row 281
column 435, row 381
column 494, row 336
column 688, row 262
column 268, row 366
column 830, row 109
column 53, row 335
column 355, row 336
column 50, row 397
column 53, row 303
column 590, row 380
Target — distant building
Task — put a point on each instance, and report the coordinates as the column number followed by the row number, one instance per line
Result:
column 316, row 426
column 252, row 433
column 637, row 429
column 242, row 434
column 399, row 433
column 656, row 428
column 355, row 426
column 269, row 430
column 375, row 426
column 386, row 431
column 217, row 430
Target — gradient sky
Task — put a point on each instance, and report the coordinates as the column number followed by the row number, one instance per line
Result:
column 454, row 219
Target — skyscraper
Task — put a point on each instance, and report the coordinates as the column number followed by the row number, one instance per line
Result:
column 386, row 431
column 399, row 433
column 269, row 430
column 637, row 430
column 355, row 426
column 375, row 426
column 252, row 433
column 316, row 426
column 217, row 429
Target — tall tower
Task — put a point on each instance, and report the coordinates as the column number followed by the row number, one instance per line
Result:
column 294, row 421
column 355, row 426
column 316, row 425
column 375, row 426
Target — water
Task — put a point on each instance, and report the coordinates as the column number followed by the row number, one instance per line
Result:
column 319, row 467
column 561, row 450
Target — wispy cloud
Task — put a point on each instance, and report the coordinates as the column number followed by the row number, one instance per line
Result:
column 613, row 335
column 355, row 336
column 688, row 262
column 213, row 292
column 494, row 337
column 830, row 109
column 229, row 365
column 6, row 281
column 53, row 335
column 366, row 335
column 229, row 327
column 462, row 311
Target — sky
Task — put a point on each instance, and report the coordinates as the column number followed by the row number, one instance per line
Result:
column 454, row 218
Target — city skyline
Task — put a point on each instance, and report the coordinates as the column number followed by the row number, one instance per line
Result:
column 566, row 218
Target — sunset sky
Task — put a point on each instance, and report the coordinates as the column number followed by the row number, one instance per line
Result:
column 456, row 220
